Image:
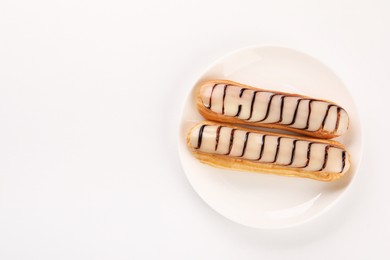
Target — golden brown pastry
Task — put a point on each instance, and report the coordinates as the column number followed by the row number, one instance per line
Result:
column 231, row 102
column 238, row 148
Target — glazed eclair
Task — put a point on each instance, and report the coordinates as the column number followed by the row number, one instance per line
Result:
column 231, row 102
column 237, row 148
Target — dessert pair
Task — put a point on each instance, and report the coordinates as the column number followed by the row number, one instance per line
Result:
column 232, row 138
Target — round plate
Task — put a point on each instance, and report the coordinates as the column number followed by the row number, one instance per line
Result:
column 267, row 200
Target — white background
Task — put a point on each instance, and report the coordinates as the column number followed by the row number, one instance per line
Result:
column 90, row 99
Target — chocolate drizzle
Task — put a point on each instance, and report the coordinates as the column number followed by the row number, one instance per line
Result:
column 281, row 109
column 277, row 150
column 252, row 103
column 307, row 156
column 211, row 95
column 343, row 159
column 217, row 137
column 200, row 136
column 296, row 113
column 308, row 116
column 326, row 116
column 293, row 152
column 262, row 148
column 238, row 111
column 268, row 107
column 245, row 142
column 338, row 119
column 223, row 99
column 325, row 158
column 242, row 91
column 240, row 106
column 231, row 141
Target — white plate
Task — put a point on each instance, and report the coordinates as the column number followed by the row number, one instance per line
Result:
column 264, row 200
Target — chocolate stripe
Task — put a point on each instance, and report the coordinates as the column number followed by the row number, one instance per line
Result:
column 200, row 136
column 217, row 137
column 326, row 116
column 308, row 116
column 295, row 112
column 242, row 91
column 293, row 152
column 211, row 95
column 343, row 158
column 252, row 103
column 239, row 111
column 231, row 141
column 307, row 156
column 223, row 99
column 268, row 107
column 338, row 119
column 245, row 142
column 277, row 150
column 281, row 109
column 262, row 148
column 240, row 106
column 325, row 158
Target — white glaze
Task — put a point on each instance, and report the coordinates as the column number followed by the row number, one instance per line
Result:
column 225, row 99
column 283, row 157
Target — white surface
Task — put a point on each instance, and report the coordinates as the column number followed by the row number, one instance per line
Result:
column 85, row 175
column 258, row 200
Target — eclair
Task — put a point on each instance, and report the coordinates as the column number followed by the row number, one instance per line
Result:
column 232, row 102
column 244, row 149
